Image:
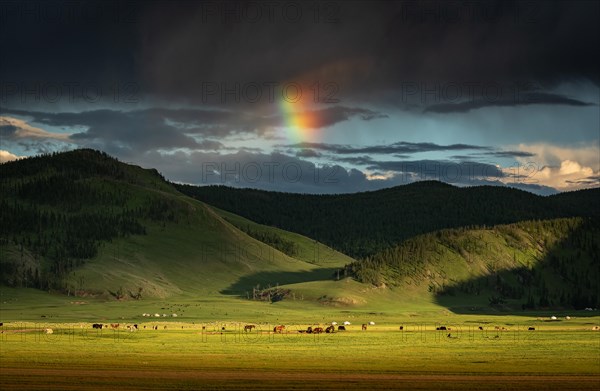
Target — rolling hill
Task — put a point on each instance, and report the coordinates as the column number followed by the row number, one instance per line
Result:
column 363, row 224
column 82, row 222
column 527, row 265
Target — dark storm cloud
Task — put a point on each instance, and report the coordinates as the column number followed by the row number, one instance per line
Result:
column 115, row 130
column 401, row 147
column 307, row 153
column 366, row 50
column 7, row 131
column 523, row 99
column 273, row 171
column 171, row 128
column 510, row 154
column 591, row 180
column 358, row 160
column 447, row 171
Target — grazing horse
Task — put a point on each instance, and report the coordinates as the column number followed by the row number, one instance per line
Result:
column 317, row 330
column 279, row 329
column 114, row 325
column 249, row 327
column 341, row 328
column 364, row 327
column 330, row 329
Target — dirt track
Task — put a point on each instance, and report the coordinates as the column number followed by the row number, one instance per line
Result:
column 71, row 379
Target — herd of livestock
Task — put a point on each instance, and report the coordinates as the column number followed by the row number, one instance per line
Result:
column 315, row 329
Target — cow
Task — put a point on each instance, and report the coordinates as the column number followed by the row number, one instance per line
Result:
column 97, row 326
column 135, row 326
column 1, row 324
column 309, row 330
column 481, row 328
column 164, row 328
column 48, row 331
column 531, row 329
column 330, row 329
column 341, row 328
column 317, row 330
column 114, row 325
column 401, row 328
column 364, row 327
column 441, row 328
column 278, row 329
column 249, row 327
column 372, row 323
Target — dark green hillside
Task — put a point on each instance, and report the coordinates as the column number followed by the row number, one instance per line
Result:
column 527, row 265
column 57, row 210
column 82, row 222
column 363, row 224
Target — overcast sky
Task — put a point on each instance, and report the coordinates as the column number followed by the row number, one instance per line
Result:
column 319, row 97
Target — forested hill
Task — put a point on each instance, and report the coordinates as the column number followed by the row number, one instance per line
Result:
column 84, row 223
column 61, row 207
column 532, row 264
column 363, row 224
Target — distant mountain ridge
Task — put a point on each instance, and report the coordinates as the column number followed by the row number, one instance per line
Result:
column 363, row 224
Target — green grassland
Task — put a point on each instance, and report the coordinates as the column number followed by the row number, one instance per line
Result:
column 558, row 354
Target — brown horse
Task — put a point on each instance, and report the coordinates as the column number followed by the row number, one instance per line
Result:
column 114, row 325
column 317, row 330
column 278, row 329
column 330, row 329
column 364, row 326
column 249, row 327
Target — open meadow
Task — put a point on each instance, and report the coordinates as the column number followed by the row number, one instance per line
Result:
column 206, row 347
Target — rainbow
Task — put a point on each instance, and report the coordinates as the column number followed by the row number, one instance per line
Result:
column 299, row 122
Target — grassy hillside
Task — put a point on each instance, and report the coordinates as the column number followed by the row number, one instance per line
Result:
column 363, row 224
column 305, row 249
column 527, row 265
column 84, row 223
